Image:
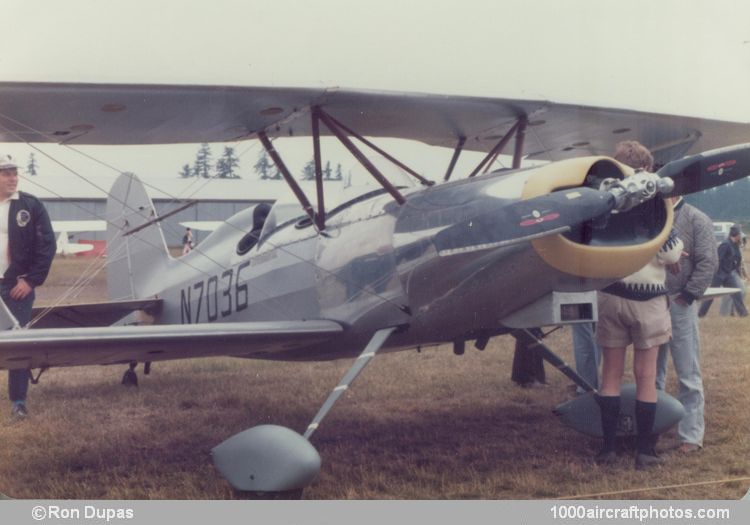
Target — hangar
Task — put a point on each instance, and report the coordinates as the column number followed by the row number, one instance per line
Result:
column 73, row 198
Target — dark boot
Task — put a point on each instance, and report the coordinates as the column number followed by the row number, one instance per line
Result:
column 609, row 408
column 646, row 455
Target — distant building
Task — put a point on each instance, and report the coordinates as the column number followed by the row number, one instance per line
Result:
column 71, row 198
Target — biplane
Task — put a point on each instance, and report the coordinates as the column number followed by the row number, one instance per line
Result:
column 448, row 259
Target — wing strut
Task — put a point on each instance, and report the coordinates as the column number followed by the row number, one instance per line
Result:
column 520, row 136
column 321, row 215
column 369, row 166
column 424, row 181
column 454, row 159
column 529, row 340
column 518, row 129
column 363, row 360
column 288, row 176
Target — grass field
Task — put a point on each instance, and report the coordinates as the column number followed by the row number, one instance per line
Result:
column 427, row 425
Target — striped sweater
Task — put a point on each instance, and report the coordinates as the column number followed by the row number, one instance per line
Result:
column 649, row 281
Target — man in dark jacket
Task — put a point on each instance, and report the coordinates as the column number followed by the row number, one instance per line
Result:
column 730, row 259
column 27, row 247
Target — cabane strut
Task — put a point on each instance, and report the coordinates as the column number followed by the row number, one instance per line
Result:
column 342, row 133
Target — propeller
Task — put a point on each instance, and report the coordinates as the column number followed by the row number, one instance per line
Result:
column 708, row 169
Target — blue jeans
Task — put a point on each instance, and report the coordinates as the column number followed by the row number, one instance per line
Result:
column 587, row 353
column 685, row 350
column 729, row 302
column 18, row 380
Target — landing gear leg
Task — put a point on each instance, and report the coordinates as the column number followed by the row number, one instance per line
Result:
column 273, row 461
column 130, row 378
column 532, row 339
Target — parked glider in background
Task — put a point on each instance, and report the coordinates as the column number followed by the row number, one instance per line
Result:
column 65, row 228
column 389, row 269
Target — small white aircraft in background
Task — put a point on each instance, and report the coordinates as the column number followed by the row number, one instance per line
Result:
column 65, row 228
column 202, row 226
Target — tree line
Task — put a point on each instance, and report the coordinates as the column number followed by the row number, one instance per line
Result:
column 724, row 203
column 203, row 166
column 227, row 167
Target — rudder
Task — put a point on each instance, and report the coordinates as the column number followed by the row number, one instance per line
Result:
column 134, row 258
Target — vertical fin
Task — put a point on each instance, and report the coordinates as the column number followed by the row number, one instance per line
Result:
column 134, row 260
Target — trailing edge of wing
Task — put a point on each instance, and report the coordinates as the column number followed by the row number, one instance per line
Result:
column 123, row 344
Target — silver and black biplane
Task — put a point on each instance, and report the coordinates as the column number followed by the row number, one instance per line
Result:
column 391, row 268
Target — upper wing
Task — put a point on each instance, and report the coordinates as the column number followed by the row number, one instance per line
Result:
column 125, row 344
column 163, row 114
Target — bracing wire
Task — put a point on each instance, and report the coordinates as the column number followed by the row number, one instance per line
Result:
column 654, row 489
column 281, row 248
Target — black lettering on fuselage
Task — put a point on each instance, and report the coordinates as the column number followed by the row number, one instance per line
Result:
column 185, row 306
column 241, row 289
column 227, row 293
column 196, row 286
column 212, row 312
column 234, row 297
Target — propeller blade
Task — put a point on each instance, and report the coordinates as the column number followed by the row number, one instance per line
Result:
column 527, row 219
column 708, row 169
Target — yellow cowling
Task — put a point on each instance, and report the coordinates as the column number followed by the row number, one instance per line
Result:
column 594, row 262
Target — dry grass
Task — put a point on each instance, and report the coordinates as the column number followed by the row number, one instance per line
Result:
column 423, row 425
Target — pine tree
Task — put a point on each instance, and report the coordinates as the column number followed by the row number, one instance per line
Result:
column 202, row 164
column 226, row 165
column 263, row 166
column 31, row 166
column 308, row 172
column 186, row 172
column 327, row 171
column 338, row 172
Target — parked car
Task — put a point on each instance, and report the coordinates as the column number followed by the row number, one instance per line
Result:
column 721, row 230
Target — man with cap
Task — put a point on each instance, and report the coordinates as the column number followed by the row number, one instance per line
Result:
column 730, row 259
column 27, row 247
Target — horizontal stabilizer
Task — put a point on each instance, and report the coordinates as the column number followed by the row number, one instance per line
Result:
column 125, row 344
column 715, row 293
column 89, row 314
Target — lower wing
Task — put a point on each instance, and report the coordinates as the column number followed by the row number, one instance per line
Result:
column 51, row 347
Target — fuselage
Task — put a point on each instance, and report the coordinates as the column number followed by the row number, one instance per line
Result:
column 379, row 263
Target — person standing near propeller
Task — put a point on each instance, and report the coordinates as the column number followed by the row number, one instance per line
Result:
column 634, row 311
column 697, row 267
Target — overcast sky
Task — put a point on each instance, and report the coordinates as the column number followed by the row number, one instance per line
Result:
column 686, row 57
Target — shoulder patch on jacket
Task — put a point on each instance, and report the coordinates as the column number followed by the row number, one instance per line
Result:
column 22, row 218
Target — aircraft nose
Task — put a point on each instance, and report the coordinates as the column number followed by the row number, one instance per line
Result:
column 524, row 220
